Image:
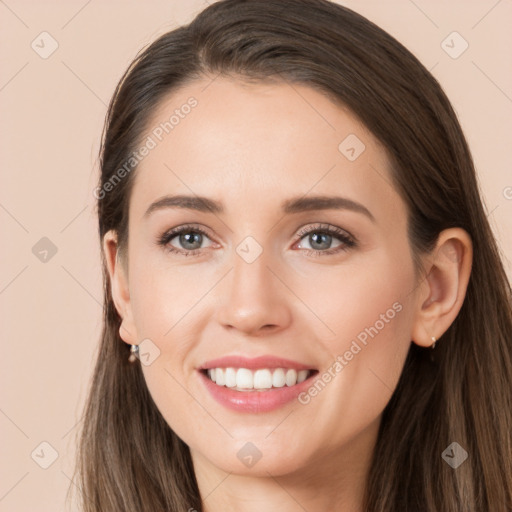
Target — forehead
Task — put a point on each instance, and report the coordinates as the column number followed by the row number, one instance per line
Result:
column 228, row 139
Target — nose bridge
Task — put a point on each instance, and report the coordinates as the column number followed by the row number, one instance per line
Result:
column 253, row 299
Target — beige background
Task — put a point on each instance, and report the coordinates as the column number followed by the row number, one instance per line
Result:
column 52, row 112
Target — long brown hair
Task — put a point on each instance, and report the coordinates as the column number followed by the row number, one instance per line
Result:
column 129, row 459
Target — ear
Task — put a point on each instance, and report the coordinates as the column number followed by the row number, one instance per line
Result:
column 442, row 292
column 117, row 270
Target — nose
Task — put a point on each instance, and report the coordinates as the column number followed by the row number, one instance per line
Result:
column 252, row 299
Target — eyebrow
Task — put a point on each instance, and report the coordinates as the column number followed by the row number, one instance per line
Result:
column 293, row 205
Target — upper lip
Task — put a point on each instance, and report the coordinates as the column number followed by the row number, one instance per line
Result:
column 266, row 361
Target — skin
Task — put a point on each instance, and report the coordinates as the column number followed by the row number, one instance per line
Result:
column 252, row 147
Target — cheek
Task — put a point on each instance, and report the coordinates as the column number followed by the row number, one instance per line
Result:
column 163, row 297
column 165, row 310
column 370, row 309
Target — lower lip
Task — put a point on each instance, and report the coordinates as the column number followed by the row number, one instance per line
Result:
column 255, row 401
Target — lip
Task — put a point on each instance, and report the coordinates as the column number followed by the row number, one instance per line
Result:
column 254, row 401
column 266, row 361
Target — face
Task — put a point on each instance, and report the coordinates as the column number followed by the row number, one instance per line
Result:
column 313, row 297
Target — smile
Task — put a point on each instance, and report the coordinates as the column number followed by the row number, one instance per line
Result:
column 244, row 379
column 253, row 390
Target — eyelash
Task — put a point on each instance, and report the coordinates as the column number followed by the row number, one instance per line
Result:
column 347, row 240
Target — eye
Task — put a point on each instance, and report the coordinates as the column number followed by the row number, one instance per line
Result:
column 320, row 238
column 190, row 239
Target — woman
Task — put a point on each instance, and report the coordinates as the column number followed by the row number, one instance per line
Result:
column 305, row 307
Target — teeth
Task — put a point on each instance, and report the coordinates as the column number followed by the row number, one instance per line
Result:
column 302, row 375
column 262, row 379
column 243, row 379
column 278, row 378
column 291, row 377
column 219, row 377
column 230, row 377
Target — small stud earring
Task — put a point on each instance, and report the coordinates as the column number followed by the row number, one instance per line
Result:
column 134, row 353
column 433, row 346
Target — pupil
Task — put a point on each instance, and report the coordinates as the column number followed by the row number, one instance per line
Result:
column 316, row 236
column 185, row 239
